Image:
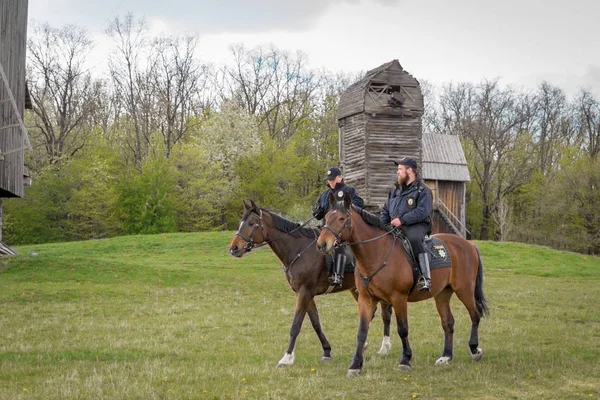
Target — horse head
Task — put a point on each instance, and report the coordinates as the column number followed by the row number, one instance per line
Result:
column 338, row 222
column 250, row 231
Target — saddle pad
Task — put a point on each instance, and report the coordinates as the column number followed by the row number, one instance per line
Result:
column 439, row 256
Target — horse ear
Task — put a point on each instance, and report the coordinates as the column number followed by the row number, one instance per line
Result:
column 246, row 205
column 331, row 199
column 347, row 201
column 253, row 204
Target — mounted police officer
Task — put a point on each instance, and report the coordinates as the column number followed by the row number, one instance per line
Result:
column 408, row 207
column 335, row 182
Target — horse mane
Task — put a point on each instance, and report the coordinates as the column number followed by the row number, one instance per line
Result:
column 371, row 219
column 291, row 228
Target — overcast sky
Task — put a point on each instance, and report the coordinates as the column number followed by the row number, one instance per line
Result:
column 522, row 41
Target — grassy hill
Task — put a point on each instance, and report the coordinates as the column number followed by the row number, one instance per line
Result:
column 173, row 316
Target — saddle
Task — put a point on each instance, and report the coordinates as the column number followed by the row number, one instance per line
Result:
column 439, row 256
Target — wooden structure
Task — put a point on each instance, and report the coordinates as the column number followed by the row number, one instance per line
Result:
column 13, row 135
column 444, row 169
column 379, row 119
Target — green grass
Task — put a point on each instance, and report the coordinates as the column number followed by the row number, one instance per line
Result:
column 174, row 317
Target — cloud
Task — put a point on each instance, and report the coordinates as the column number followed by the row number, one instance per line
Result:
column 232, row 16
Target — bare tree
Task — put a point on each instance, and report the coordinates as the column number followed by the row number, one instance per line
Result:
column 179, row 79
column 493, row 121
column 588, row 114
column 273, row 85
column 61, row 88
column 131, row 71
column 553, row 126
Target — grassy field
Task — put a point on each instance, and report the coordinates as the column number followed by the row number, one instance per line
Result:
column 174, row 317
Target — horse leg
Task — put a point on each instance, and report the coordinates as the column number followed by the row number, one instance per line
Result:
column 302, row 300
column 386, row 316
column 442, row 303
column 401, row 309
column 313, row 314
column 468, row 299
column 365, row 312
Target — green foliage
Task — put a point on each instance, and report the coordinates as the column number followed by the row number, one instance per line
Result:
column 41, row 215
column 92, row 204
column 146, row 202
column 201, row 189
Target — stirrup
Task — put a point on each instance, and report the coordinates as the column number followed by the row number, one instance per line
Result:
column 423, row 284
column 335, row 280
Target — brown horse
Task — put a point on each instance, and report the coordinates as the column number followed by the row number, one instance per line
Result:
column 384, row 273
column 305, row 270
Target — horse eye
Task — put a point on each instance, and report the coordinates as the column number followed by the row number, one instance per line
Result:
column 251, row 223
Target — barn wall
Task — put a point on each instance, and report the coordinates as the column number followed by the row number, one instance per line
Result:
column 388, row 138
column 352, row 152
column 452, row 194
column 13, row 37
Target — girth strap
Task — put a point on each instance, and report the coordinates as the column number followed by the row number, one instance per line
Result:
column 367, row 279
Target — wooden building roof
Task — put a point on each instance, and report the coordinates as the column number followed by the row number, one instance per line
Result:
column 387, row 89
column 443, row 158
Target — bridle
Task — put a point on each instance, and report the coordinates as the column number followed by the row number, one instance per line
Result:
column 348, row 223
column 338, row 235
column 250, row 244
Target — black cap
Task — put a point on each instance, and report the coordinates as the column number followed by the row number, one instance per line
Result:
column 409, row 162
column 332, row 173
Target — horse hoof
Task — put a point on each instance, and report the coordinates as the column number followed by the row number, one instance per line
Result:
column 477, row 356
column 353, row 373
column 383, row 352
column 326, row 359
column 404, row 367
column 443, row 361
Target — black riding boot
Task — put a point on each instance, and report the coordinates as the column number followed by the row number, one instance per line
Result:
column 338, row 275
column 424, row 281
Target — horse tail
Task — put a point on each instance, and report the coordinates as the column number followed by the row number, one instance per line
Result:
column 480, row 299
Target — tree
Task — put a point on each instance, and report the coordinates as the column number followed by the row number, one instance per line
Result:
column 492, row 120
column 61, row 89
column 133, row 86
column 178, row 80
column 588, row 114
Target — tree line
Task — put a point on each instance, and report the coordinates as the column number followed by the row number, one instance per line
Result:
column 162, row 142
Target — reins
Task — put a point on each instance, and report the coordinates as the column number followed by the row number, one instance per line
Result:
column 250, row 244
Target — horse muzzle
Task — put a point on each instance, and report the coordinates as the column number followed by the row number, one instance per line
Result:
column 236, row 251
column 324, row 247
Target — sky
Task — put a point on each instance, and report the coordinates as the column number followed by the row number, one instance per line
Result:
column 522, row 42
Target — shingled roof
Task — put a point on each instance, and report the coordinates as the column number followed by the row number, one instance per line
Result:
column 443, row 158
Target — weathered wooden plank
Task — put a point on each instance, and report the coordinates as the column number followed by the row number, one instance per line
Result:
column 13, row 28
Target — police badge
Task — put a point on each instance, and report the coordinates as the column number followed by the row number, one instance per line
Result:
column 340, row 195
column 411, row 202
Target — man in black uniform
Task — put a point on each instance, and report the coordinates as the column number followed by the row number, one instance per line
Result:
column 335, row 182
column 408, row 207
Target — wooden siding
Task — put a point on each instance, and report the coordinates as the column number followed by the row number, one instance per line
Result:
column 13, row 37
column 368, row 145
column 388, row 139
column 452, row 194
column 352, row 152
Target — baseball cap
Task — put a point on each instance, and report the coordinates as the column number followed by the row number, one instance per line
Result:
column 409, row 162
column 332, row 173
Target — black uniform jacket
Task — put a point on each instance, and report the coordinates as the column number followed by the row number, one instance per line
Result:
column 411, row 203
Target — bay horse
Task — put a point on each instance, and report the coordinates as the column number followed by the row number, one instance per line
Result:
column 384, row 273
column 305, row 269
